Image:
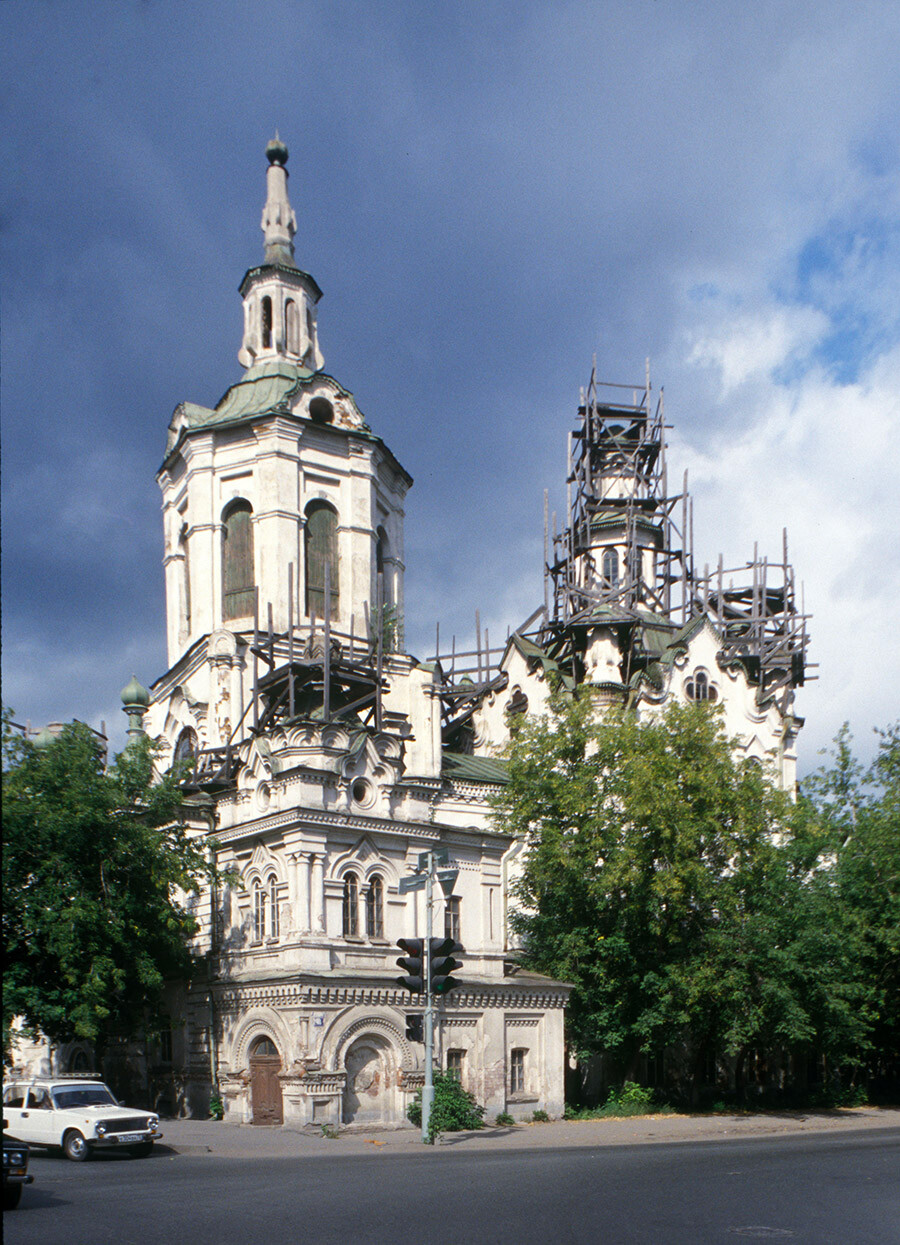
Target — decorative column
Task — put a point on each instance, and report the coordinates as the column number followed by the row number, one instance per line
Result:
column 318, row 893
column 303, row 889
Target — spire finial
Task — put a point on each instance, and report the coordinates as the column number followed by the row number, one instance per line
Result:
column 279, row 224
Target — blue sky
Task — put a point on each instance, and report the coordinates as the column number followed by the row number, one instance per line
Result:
column 488, row 194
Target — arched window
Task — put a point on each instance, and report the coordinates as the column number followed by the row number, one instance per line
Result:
column 237, row 561
column 185, row 576
column 186, row 747
column 259, row 913
column 273, row 906
column 700, row 688
column 375, row 908
column 266, row 323
column 351, row 906
column 264, row 1048
column 292, row 326
column 321, row 551
column 636, row 566
column 610, row 569
column 310, row 330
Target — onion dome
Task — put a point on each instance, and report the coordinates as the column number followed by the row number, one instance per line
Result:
column 276, row 151
column 134, row 694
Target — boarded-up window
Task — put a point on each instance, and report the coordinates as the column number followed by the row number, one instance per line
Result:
column 321, row 551
column 237, row 561
column 292, row 326
column 273, row 907
column 185, row 576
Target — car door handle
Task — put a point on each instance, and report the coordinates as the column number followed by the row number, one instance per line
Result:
column 24, row 1115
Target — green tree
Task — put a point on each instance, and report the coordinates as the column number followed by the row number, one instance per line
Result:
column 859, row 807
column 93, row 860
column 675, row 887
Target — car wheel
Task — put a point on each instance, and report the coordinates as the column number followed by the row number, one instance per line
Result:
column 141, row 1151
column 75, row 1147
column 12, row 1196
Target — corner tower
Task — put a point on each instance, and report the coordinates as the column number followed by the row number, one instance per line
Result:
column 281, row 491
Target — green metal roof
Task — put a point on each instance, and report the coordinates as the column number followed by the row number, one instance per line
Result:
column 474, row 769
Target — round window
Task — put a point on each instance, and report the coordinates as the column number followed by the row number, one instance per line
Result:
column 361, row 791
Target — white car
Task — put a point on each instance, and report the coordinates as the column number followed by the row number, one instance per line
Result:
column 78, row 1115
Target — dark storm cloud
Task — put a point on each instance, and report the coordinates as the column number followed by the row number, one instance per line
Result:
column 487, row 193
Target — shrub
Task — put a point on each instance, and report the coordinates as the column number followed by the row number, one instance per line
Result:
column 504, row 1119
column 540, row 1117
column 452, row 1111
column 627, row 1099
column 216, row 1108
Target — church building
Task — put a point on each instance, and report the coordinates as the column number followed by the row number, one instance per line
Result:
column 326, row 759
column 322, row 763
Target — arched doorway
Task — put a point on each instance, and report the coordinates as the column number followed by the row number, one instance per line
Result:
column 370, row 1096
column 265, row 1087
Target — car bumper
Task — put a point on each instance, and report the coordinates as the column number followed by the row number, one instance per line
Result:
column 114, row 1141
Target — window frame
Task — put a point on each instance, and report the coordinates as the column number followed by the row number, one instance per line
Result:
column 517, row 1073
column 350, row 906
column 238, row 562
column 375, row 907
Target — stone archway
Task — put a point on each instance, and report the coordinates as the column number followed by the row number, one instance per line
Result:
column 265, row 1087
column 370, row 1094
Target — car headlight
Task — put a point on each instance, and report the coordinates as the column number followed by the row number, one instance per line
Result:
column 101, row 1130
column 153, row 1123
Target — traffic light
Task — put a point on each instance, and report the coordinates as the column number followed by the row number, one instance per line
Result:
column 415, row 1027
column 414, row 964
column 442, row 965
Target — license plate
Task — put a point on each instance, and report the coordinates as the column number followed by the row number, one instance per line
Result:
column 125, row 1138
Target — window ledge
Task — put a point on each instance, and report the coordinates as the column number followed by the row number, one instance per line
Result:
column 354, row 938
column 523, row 1098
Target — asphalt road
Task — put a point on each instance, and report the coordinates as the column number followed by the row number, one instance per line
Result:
column 823, row 1189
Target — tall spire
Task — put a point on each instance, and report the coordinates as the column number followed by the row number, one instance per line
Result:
column 279, row 224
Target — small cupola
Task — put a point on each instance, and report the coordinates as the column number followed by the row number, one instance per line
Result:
column 279, row 298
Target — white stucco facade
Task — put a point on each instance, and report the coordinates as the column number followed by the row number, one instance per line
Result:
column 319, row 815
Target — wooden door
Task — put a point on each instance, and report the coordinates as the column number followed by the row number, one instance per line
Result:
column 265, row 1087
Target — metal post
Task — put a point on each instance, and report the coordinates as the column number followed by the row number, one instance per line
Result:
column 290, row 639
column 428, row 1087
column 326, row 640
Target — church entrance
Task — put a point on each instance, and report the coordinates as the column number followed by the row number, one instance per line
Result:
column 265, row 1087
column 370, row 1096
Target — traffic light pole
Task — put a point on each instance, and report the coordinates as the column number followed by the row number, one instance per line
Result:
column 428, row 963
column 428, row 1087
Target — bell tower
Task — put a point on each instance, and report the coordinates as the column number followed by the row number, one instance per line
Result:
column 279, row 501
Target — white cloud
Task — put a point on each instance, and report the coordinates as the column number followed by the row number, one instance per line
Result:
column 752, row 344
column 823, row 459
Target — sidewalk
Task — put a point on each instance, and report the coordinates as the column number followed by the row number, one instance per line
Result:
column 247, row 1141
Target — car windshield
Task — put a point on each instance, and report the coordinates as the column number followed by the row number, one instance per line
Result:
column 83, row 1096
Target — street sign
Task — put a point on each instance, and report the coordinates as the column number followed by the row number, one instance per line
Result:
column 447, row 879
column 441, row 857
column 411, row 884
